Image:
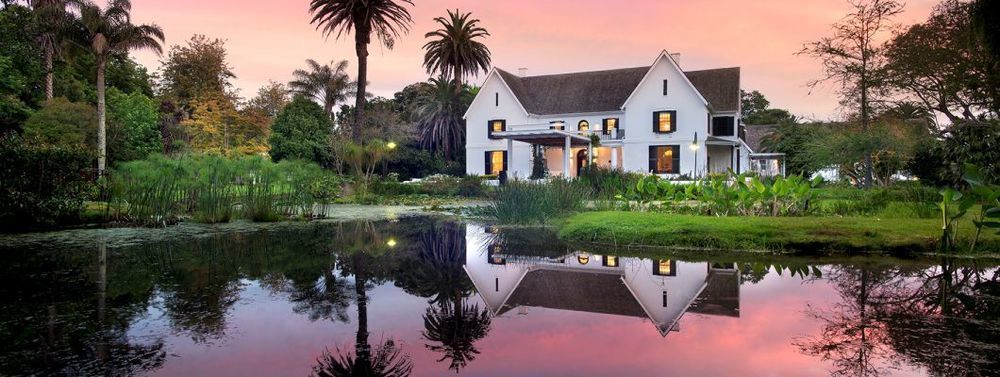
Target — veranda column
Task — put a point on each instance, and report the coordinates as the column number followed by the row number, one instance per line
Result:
column 510, row 158
column 566, row 157
column 614, row 158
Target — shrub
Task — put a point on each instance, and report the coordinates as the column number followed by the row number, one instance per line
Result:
column 301, row 131
column 42, row 185
column 605, row 183
column 134, row 131
column 63, row 123
column 520, row 202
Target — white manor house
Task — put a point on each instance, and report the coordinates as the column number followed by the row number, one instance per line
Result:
column 657, row 119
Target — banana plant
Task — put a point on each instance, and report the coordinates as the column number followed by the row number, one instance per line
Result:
column 988, row 199
column 953, row 207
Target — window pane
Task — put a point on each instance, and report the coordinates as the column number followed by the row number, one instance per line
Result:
column 496, row 162
column 584, row 126
column 664, row 160
column 497, row 126
column 665, row 122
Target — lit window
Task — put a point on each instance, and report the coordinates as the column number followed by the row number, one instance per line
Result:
column 583, row 258
column 557, row 125
column 497, row 125
column 609, row 126
column 610, row 261
column 583, row 126
column 664, row 159
column 664, row 267
column 664, row 121
column 496, row 162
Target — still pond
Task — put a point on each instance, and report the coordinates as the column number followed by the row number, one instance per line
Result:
column 424, row 296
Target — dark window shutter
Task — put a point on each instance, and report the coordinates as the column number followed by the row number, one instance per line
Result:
column 489, row 164
column 496, row 98
column 505, row 162
column 652, row 159
column 656, row 122
column 665, row 86
column 675, row 165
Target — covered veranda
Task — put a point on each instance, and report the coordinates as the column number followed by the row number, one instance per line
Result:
column 566, row 142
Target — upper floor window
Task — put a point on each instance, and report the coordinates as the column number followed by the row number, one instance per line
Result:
column 724, row 126
column 496, row 125
column 609, row 125
column 583, row 126
column 665, row 86
column 557, row 125
column 664, row 267
column 664, row 121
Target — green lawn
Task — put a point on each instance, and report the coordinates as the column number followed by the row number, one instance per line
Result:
column 800, row 234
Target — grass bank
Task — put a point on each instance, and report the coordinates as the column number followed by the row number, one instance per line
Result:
column 779, row 234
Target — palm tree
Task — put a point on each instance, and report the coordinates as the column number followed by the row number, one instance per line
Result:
column 52, row 17
column 456, row 52
column 438, row 110
column 387, row 19
column 327, row 84
column 110, row 31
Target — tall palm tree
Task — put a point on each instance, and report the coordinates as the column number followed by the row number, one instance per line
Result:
column 52, row 17
column 387, row 19
column 327, row 84
column 456, row 51
column 110, row 31
column 438, row 110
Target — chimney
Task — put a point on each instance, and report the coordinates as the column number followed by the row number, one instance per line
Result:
column 677, row 57
column 522, row 71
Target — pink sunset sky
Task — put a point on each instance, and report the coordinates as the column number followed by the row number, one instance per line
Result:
column 267, row 40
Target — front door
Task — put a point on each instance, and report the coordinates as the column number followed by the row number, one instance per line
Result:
column 581, row 161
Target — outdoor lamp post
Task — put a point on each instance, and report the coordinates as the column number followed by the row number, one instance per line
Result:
column 694, row 147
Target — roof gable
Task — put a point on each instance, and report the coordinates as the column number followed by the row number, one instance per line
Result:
column 610, row 90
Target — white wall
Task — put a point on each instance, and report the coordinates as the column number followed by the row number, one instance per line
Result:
column 484, row 109
column 692, row 116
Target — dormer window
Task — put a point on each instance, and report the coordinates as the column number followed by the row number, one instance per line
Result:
column 583, row 126
column 496, row 125
column 609, row 125
column 664, row 121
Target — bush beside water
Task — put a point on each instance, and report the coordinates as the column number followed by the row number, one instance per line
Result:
column 212, row 189
column 42, row 185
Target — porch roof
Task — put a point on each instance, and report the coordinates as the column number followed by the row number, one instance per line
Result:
column 715, row 140
column 544, row 137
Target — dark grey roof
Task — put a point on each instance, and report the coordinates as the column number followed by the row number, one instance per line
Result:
column 598, row 91
column 721, row 295
column 755, row 135
column 577, row 291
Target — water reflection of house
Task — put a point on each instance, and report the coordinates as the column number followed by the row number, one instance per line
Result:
column 660, row 290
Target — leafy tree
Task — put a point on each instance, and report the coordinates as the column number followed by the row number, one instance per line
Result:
column 216, row 126
column 940, row 162
column 455, row 51
column 942, row 66
column 752, row 103
column 301, row 130
column 438, row 112
column 327, row 84
column 387, row 19
column 19, row 67
column 270, row 99
column 793, row 139
column 110, row 31
column 134, row 132
column 196, row 70
column 853, row 59
column 890, row 143
column 63, row 123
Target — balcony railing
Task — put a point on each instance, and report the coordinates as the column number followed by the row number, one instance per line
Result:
column 615, row 134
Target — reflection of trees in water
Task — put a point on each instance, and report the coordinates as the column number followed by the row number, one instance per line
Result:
column 452, row 325
column 361, row 243
column 320, row 298
column 943, row 318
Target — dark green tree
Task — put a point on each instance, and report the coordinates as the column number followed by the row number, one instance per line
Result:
column 62, row 123
column 456, row 52
column 438, row 111
column 301, row 130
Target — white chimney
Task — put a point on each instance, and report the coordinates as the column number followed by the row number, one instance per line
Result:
column 522, row 71
column 677, row 57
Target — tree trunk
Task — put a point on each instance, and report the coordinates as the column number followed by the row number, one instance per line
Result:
column 48, row 71
column 362, row 349
column 102, row 142
column 361, row 46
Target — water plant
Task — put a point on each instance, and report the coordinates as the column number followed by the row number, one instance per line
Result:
column 523, row 202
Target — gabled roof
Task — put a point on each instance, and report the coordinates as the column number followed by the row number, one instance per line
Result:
column 576, row 291
column 603, row 91
column 755, row 134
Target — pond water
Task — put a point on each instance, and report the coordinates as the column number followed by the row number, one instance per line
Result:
column 426, row 296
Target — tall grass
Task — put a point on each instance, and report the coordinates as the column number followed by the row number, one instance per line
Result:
column 213, row 189
column 523, row 203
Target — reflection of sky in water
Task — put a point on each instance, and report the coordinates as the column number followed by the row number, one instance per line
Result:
column 263, row 335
